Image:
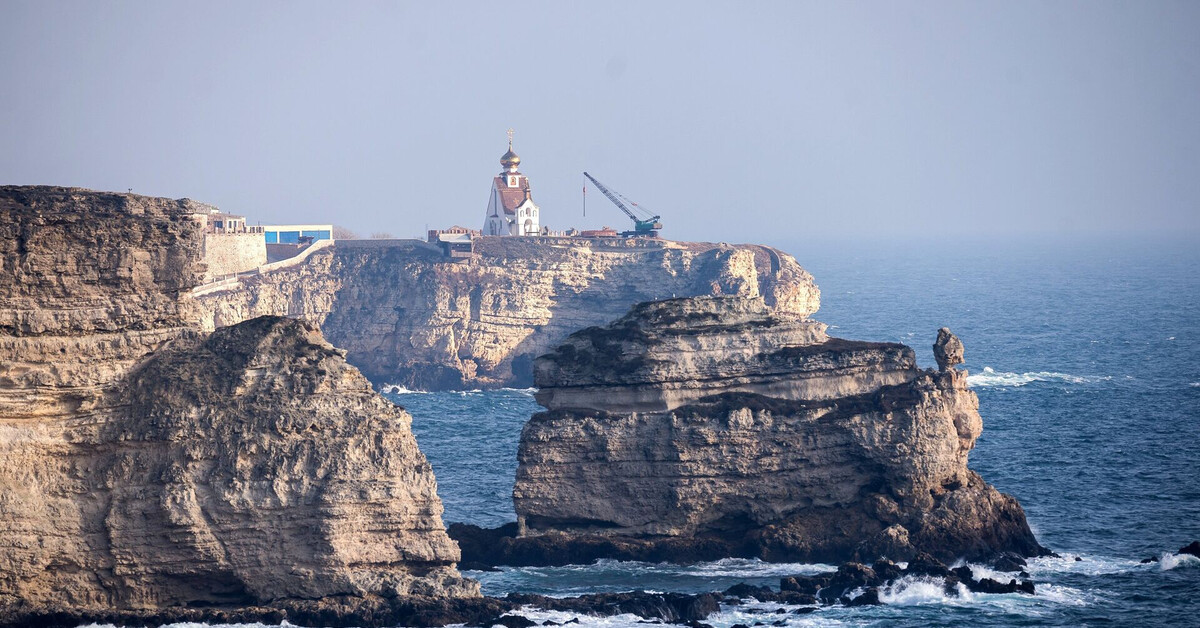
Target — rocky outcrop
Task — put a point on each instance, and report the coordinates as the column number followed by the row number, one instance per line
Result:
column 146, row 464
column 720, row 423
column 407, row 315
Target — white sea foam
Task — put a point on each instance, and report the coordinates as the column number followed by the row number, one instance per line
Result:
column 990, row 377
column 1194, row 384
column 918, row 590
column 1171, row 561
column 524, row 391
column 616, row 621
column 1087, row 565
column 397, row 389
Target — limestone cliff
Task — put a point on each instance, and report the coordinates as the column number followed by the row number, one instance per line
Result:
column 144, row 463
column 408, row 315
column 719, row 419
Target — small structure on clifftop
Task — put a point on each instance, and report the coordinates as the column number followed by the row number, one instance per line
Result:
column 511, row 210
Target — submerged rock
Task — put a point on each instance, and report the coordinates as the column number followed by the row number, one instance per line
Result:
column 723, row 424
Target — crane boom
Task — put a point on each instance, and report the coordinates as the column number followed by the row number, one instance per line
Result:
column 646, row 228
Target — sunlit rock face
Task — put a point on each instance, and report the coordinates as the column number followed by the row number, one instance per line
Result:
column 146, row 463
column 723, row 419
column 407, row 315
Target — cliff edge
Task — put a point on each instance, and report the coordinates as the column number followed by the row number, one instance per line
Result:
column 146, row 464
column 707, row 427
column 408, row 315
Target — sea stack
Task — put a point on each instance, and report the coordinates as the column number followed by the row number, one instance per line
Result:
column 709, row 426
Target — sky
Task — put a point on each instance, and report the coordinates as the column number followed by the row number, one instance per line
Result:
column 736, row 122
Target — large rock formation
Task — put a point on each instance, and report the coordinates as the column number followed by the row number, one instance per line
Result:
column 719, row 421
column 407, row 315
column 144, row 463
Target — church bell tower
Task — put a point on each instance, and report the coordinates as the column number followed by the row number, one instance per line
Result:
column 511, row 210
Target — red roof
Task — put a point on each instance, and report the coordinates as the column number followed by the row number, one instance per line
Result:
column 511, row 198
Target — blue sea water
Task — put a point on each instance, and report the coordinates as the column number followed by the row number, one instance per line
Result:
column 1086, row 360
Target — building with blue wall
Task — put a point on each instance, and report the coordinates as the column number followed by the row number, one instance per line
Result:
column 291, row 234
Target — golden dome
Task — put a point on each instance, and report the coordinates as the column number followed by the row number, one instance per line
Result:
column 510, row 159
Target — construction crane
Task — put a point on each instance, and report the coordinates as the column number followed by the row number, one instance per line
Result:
column 642, row 227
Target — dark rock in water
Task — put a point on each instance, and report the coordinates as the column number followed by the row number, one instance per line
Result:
column 502, row 546
column 964, row 574
column 870, row 597
column 925, row 565
column 1078, row 559
column 804, row 611
column 887, row 570
column 743, row 591
column 1152, row 559
column 1192, row 548
column 987, row 585
column 803, row 584
column 511, row 621
column 1008, row 561
column 849, row 576
column 792, row 597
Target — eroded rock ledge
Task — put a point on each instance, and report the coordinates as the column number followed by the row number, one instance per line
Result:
column 707, row 427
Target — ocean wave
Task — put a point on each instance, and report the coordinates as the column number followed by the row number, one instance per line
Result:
column 990, row 377
column 1086, row 565
column 397, row 389
column 918, row 590
column 1171, row 561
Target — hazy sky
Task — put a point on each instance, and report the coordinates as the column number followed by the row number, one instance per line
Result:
column 736, row 121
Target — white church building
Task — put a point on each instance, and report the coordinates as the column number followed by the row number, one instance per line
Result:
column 511, row 210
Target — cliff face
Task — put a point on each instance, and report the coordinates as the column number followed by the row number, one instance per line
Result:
column 144, row 463
column 409, row 316
column 721, row 419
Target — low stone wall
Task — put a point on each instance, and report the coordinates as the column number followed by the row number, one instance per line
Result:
column 232, row 253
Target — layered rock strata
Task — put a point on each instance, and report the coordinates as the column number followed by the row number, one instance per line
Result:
column 408, row 315
column 146, row 464
column 720, row 421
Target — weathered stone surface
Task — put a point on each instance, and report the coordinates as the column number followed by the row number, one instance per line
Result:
column 786, row 444
column 145, row 464
column 947, row 349
column 407, row 315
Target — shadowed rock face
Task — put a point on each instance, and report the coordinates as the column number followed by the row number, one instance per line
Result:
column 407, row 315
column 145, row 464
column 716, row 418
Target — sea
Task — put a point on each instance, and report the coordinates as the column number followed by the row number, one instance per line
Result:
column 1086, row 360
